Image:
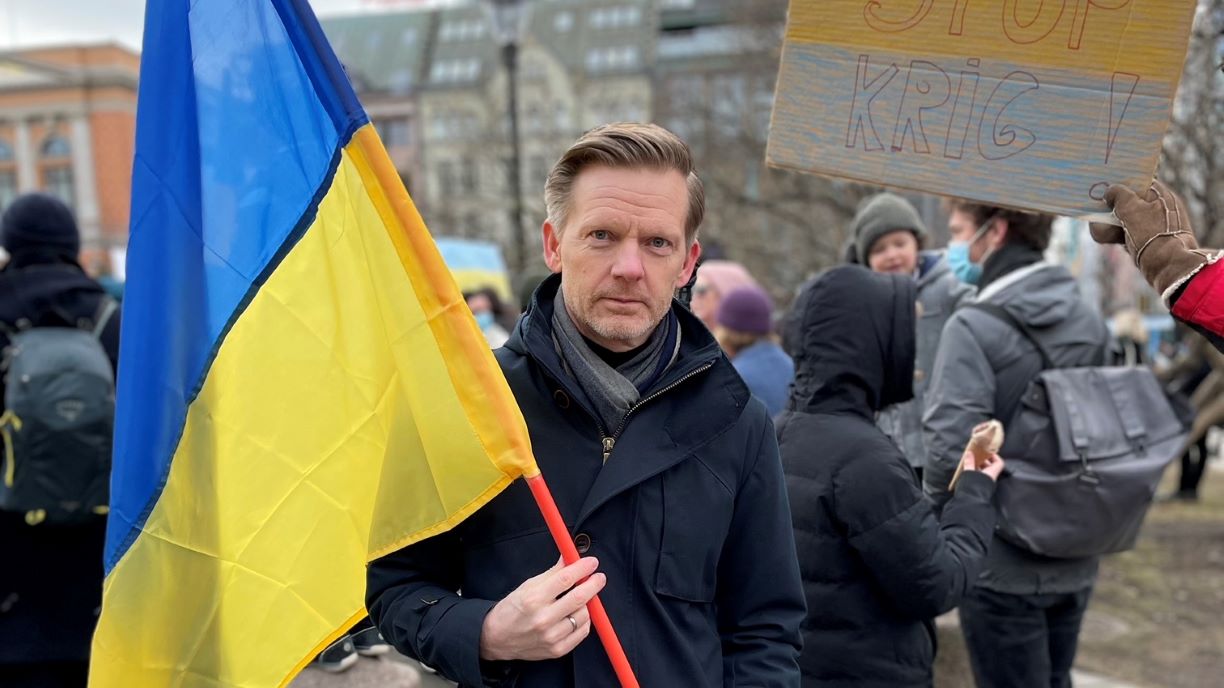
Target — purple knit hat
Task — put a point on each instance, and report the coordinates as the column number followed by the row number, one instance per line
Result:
column 748, row 310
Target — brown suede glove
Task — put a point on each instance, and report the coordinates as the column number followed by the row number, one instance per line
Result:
column 1156, row 232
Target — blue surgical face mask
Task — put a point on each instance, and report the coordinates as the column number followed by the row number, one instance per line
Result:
column 485, row 319
column 965, row 270
column 958, row 259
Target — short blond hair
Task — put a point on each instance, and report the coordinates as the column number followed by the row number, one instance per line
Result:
column 624, row 145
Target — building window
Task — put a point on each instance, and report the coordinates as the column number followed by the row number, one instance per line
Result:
column 729, row 98
column 563, row 22
column 462, row 30
column 762, row 101
column 472, row 226
column 57, row 181
column 8, row 175
column 615, row 17
column 8, row 188
column 56, row 147
column 395, row 132
column 534, row 120
column 539, row 171
column 437, row 128
column 612, row 59
column 56, row 169
column 446, row 179
column 469, row 176
column 453, row 71
column 532, row 70
column 400, row 81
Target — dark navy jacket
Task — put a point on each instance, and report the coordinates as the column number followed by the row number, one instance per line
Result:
column 688, row 518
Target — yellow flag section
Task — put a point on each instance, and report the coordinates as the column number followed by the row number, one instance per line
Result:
column 340, row 420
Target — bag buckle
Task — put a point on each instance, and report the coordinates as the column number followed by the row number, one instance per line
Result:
column 1087, row 476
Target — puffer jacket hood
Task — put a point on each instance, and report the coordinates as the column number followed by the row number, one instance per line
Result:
column 853, row 333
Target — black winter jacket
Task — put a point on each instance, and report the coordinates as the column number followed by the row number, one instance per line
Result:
column 688, row 518
column 877, row 565
column 51, row 581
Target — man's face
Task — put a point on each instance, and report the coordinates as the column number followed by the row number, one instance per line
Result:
column 895, row 252
column 622, row 253
column 963, row 227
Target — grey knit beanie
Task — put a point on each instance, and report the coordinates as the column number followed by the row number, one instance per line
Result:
column 879, row 215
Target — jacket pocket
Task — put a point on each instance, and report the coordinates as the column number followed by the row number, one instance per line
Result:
column 696, row 513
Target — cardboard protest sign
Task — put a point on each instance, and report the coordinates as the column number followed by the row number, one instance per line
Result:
column 1027, row 103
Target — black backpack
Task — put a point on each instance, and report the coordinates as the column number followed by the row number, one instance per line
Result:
column 1085, row 451
column 58, row 421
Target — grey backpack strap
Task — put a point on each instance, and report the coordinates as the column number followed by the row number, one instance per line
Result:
column 106, row 309
column 1006, row 316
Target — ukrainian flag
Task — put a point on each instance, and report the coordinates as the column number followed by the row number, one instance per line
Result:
column 301, row 387
column 476, row 265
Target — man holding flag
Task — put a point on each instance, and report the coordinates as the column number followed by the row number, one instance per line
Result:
column 665, row 470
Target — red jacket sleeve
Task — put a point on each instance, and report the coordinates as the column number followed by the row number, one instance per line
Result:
column 1201, row 303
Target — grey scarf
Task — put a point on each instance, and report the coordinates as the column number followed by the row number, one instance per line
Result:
column 613, row 391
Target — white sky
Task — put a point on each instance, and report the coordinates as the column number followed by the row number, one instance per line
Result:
column 25, row 23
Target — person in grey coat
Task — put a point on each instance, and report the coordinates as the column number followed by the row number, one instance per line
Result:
column 1022, row 622
column 889, row 236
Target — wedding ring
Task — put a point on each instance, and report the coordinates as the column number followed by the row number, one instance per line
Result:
column 573, row 622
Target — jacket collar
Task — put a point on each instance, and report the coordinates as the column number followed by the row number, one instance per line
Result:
column 1011, row 278
column 670, row 441
column 532, row 337
column 931, row 266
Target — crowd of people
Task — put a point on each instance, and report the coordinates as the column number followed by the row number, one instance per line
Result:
column 759, row 498
column 685, row 500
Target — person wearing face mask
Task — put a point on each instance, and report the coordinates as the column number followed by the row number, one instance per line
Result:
column 484, row 308
column 888, row 237
column 1022, row 621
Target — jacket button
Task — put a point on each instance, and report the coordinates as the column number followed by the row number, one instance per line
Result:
column 562, row 399
column 582, row 542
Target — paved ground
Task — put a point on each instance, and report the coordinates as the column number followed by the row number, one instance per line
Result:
column 952, row 666
column 401, row 672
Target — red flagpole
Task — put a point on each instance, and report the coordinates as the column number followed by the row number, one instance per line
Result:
column 569, row 554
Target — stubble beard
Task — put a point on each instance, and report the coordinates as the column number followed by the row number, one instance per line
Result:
column 613, row 328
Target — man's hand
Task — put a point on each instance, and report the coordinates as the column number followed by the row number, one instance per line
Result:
column 993, row 467
column 540, row 620
column 1156, row 232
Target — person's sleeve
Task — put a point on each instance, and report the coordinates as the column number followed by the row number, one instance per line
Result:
column 961, row 395
column 411, row 596
column 760, row 596
column 924, row 565
column 1200, row 303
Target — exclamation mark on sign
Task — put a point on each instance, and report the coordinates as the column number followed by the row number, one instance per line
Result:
column 1120, row 93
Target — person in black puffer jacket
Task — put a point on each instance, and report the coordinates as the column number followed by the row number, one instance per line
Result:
column 877, row 564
